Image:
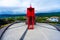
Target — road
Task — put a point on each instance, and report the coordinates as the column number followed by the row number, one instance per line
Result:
column 41, row 31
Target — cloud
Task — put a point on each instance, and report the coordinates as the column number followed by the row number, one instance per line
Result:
column 14, row 3
column 9, row 3
column 39, row 5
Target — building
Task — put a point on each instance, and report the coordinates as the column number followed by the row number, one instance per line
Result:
column 30, row 17
column 53, row 19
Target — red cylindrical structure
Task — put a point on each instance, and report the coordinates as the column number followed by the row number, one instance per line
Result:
column 30, row 17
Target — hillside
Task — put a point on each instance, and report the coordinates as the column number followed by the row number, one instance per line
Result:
column 48, row 14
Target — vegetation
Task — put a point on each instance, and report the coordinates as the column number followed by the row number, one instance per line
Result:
column 48, row 14
column 4, row 21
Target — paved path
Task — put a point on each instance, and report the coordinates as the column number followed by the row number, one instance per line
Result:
column 42, row 31
column 1, row 30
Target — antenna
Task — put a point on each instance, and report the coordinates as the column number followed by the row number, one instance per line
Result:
column 30, row 4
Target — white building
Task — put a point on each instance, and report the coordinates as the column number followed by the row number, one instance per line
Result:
column 53, row 19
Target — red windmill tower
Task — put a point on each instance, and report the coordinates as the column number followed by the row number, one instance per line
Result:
column 30, row 17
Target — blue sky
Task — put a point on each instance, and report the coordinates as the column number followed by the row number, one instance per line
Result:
column 21, row 5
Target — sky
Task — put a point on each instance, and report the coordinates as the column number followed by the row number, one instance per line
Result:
column 22, row 5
